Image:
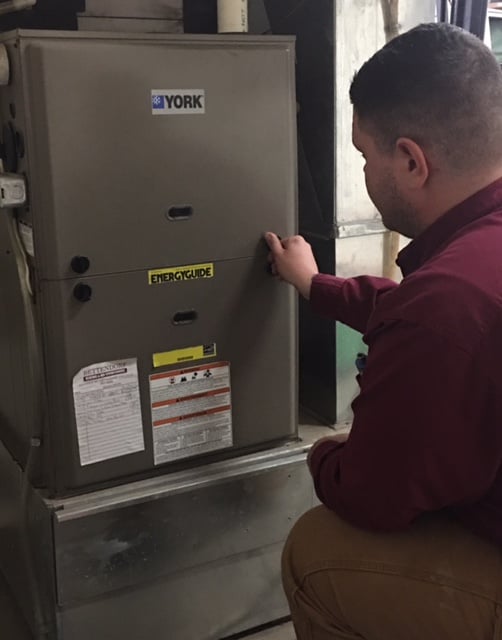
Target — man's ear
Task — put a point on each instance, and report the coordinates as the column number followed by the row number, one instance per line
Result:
column 412, row 165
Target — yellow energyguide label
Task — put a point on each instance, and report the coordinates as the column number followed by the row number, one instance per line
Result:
column 184, row 355
column 181, row 274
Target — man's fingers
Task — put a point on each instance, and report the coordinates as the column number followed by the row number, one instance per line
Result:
column 274, row 244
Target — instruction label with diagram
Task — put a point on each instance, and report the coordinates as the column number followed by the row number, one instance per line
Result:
column 191, row 411
column 108, row 411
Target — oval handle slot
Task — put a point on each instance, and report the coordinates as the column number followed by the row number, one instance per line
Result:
column 185, row 317
column 180, row 213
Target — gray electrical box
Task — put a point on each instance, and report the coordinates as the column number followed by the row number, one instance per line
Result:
column 140, row 331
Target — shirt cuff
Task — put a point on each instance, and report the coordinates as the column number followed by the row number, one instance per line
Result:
column 318, row 457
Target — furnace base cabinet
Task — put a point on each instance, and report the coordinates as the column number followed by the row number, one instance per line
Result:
column 191, row 555
column 140, row 330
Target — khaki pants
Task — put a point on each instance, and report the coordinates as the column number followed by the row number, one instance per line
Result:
column 435, row 581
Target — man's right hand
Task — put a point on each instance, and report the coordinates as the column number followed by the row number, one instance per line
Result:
column 292, row 260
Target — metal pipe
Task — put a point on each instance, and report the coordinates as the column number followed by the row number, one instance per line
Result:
column 232, row 16
column 390, row 9
column 15, row 5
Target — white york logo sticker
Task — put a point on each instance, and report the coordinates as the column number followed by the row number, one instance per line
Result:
column 178, row 101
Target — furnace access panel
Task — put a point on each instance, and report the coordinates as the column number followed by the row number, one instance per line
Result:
column 153, row 165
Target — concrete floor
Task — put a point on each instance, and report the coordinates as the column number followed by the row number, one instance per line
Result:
column 283, row 632
column 13, row 627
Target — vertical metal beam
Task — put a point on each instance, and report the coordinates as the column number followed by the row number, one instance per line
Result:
column 442, row 10
column 470, row 15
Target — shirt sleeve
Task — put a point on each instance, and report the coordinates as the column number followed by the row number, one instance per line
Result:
column 422, row 438
column 348, row 300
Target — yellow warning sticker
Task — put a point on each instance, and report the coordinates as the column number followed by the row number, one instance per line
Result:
column 181, row 274
column 184, row 355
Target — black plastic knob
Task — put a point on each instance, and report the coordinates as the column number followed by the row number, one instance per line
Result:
column 82, row 292
column 80, row 264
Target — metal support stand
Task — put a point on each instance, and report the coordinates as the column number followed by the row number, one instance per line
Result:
column 194, row 555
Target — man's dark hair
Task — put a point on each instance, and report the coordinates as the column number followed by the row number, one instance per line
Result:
column 441, row 87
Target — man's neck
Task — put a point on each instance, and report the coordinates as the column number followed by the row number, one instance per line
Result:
column 447, row 193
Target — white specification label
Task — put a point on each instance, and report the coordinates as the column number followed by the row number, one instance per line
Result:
column 108, row 411
column 191, row 411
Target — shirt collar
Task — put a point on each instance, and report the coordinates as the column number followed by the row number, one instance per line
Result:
column 434, row 237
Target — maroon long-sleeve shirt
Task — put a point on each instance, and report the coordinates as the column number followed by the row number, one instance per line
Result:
column 427, row 429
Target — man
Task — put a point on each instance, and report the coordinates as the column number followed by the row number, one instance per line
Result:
column 409, row 546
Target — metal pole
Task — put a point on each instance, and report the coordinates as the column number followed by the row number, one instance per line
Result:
column 390, row 10
column 470, row 15
column 442, row 10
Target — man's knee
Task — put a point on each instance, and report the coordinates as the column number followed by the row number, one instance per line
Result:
column 307, row 545
column 308, row 554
